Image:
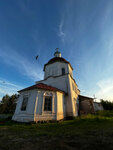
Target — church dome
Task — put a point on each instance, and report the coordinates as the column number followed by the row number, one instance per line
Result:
column 57, row 59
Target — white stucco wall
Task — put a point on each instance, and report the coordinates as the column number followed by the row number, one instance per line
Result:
column 70, row 71
column 35, row 107
column 28, row 114
column 40, row 114
column 60, row 82
column 65, row 83
column 55, row 69
column 74, row 92
column 98, row 106
column 57, row 107
column 60, row 106
column 71, row 102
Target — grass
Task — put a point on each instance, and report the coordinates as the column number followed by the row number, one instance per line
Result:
column 88, row 132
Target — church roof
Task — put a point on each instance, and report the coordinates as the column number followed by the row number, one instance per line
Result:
column 42, row 86
column 82, row 98
column 57, row 59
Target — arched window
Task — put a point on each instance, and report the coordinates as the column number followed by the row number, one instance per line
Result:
column 63, row 71
column 47, row 102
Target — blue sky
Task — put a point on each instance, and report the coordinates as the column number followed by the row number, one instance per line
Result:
column 82, row 29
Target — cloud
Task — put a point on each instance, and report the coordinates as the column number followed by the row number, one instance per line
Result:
column 7, row 87
column 30, row 69
column 7, row 83
column 61, row 33
column 105, row 89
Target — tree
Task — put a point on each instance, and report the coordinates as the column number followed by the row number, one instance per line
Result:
column 8, row 104
column 107, row 104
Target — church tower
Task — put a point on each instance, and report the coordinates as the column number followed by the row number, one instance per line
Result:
column 58, row 72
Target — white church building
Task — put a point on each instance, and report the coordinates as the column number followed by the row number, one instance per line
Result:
column 54, row 98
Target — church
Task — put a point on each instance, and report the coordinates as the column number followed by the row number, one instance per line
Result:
column 54, row 98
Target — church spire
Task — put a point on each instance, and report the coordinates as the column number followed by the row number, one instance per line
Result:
column 57, row 53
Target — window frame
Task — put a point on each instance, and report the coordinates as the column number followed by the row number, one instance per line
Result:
column 52, row 94
column 47, row 103
column 24, row 103
column 63, row 71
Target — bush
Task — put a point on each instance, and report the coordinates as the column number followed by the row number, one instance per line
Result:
column 105, row 113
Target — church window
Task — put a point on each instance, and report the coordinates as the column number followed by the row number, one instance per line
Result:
column 24, row 103
column 48, row 103
column 63, row 71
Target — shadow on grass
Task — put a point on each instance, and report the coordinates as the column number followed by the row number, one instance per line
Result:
column 85, row 132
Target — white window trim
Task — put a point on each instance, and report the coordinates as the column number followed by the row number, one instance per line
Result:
column 44, row 95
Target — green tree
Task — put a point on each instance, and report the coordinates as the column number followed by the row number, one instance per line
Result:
column 107, row 104
column 8, row 104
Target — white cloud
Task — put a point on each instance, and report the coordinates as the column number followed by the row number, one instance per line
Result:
column 7, row 83
column 7, row 87
column 61, row 33
column 31, row 69
column 105, row 89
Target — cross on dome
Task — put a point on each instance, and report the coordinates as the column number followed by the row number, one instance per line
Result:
column 57, row 53
column 57, row 49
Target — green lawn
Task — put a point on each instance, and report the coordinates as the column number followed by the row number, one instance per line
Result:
column 84, row 133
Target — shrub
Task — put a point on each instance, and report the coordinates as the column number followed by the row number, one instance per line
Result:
column 105, row 113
